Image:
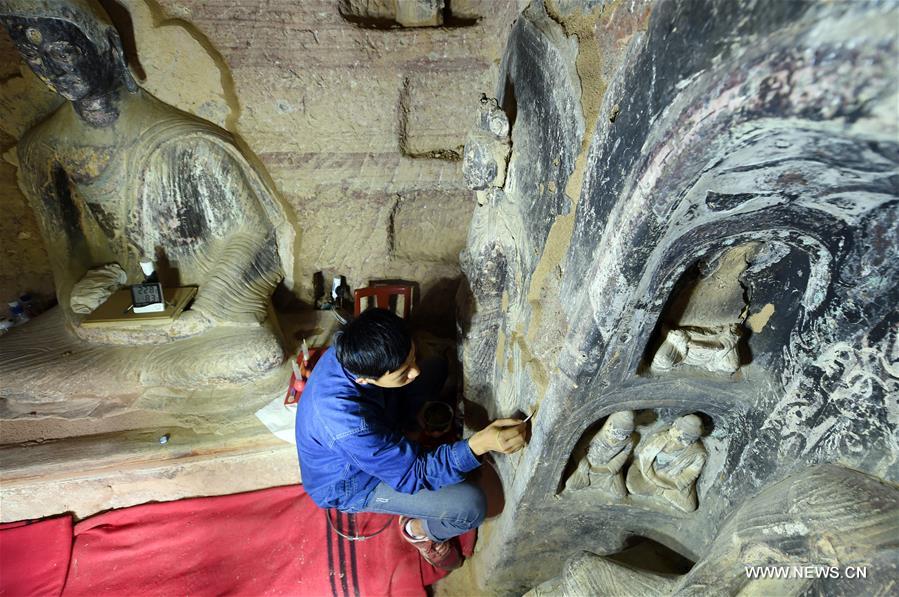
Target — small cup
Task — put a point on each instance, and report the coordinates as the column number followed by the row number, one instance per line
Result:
column 437, row 418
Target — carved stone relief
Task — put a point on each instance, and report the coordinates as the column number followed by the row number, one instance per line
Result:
column 601, row 468
column 713, row 349
column 840, row 522
column 703, row 324
column 487, row 149
column 669, row 463
column 410, row 13
column 733, row 205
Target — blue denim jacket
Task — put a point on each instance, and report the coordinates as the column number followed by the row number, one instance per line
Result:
column 349, row 439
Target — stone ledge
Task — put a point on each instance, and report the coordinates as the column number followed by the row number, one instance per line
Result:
column 90, row 474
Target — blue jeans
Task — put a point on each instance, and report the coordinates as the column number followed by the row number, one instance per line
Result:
column 447, row 512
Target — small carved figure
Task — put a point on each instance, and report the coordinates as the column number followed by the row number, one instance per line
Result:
column 601, row 469
column 711, row 349
column 669, row 464
column 487, row 148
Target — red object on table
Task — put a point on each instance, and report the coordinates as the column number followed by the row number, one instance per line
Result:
column 298, row 384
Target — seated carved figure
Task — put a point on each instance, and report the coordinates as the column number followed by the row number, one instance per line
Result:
column 116, row 176
column 608, row 451
column 669, row 464
column 713, row 349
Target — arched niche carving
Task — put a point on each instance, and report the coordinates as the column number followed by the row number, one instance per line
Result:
column 777, row 277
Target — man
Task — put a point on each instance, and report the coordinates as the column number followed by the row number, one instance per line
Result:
column 354, row 456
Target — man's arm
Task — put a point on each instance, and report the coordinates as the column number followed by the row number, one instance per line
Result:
column 404, row 466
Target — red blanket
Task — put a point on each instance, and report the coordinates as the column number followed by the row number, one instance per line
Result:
column 34, row 557
column 270, row 542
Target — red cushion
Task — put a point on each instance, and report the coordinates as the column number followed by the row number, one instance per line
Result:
column 34, row 557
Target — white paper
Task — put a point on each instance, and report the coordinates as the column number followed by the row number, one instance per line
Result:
column 279, row 418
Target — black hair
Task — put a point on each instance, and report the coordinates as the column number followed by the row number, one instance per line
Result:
column 374, row 343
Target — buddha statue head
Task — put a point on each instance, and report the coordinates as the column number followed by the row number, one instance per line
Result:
column 619, row 426
column 73, row 47
column 614, row 436
column 686, row 430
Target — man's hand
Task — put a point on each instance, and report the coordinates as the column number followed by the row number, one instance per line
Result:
column 502, row 435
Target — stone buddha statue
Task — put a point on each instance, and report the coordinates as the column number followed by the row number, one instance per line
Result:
column 668, row 465
column 116, row 176
column 601, row 469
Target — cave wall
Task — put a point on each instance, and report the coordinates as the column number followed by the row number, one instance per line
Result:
column 658, row 147
column 359, row 122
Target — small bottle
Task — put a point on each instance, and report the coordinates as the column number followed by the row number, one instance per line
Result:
column 150, row 275
column 28, row 305
column 340, row 292
column 17, row 313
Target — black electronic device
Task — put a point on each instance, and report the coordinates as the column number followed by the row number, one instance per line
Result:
column 147, row 297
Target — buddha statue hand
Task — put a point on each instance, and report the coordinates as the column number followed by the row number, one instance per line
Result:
column 95, row 287
column 190, row 323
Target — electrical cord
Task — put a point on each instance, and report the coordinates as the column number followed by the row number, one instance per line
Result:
column 355, row 537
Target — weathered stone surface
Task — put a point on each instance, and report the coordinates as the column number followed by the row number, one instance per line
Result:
column 313, row 99
column 171, row 50
column 414, row 13
column 320, row 104
column 779, row 129
column 838, row 521
column 437, row 109
column 487, row 148
column 420, row 13
column 430, row 226
column 25, row 264
column 117, row 177
column 80, row 439
column 90, row 474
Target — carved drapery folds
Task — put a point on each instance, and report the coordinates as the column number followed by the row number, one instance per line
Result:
column 669, row 463
column 601, row 468
column 818, row 518
column 728, row 247
column 713, row 349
